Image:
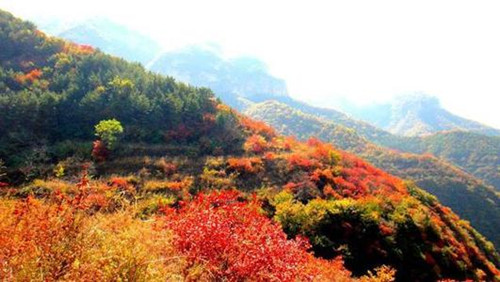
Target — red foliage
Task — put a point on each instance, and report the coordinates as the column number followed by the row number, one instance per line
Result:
column 301, row 161
column 3, row 184
column 368, row 179
column 256, row 144
column 99, row 151
column 429, row 259
column 346, row 187
column 291, row 186
column 235, row 242
column 180, row 134
column 248, row 165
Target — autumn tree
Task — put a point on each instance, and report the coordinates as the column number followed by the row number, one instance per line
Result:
column 109, row 131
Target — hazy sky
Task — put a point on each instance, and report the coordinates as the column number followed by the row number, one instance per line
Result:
column 363, row 50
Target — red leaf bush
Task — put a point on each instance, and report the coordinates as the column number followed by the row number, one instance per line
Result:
column 235, row 242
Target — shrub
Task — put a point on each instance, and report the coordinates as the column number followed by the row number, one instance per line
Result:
column 258, row 127
column 235, row 242
column 255, row 144
column 99, row 151
column 245, row 165
column 300, row 161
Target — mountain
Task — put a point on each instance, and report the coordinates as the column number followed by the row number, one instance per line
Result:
column 466, row 195
column 233, row 80
column 475, row 153
column 416, row 115
column 114, row 172
column 110, row 37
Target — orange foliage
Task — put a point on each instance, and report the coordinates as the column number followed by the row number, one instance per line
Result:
column 248, row 165
column 289, row 143
column 38, row 233
column 223, row 108
column 269, row 156
column 180, row 185
column 256, row 144
column 258, row 127
column 323, row 175
column 29, row 77
column 323, row 151
column 386, row 230
column 79, row 49
column 119, row 182
column 329, row 192
column 301, row 161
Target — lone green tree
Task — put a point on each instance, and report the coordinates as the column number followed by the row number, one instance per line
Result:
column 109, row 131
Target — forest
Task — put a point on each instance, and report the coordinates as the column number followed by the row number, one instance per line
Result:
column 110, row 172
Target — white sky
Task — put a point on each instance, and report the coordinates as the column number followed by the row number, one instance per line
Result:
column 364, row 50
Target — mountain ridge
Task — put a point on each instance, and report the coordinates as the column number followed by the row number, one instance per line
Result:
column 452, row 185
column 416, row 115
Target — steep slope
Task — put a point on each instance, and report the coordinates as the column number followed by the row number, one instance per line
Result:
column 476, row 154
column 231, row 79
column 415, row 115
column 114, row 39
column 178, row 142
column 467, row 196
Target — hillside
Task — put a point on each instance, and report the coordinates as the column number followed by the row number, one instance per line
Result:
column 467, row 196
column 231, row 79
column 416, row 115
column 476, row 154
column 240, row 82
column 178, row 186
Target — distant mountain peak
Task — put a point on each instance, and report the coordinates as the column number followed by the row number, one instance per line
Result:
column 416, row 114
column 107, row 35
column 232, row 79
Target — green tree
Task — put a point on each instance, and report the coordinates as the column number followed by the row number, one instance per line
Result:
column 2, row 169
column 109, row 131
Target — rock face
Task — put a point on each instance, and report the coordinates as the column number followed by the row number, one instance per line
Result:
column 233, row 80
column 416, row 115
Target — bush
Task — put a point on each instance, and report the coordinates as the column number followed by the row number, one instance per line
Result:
column 235, row 242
